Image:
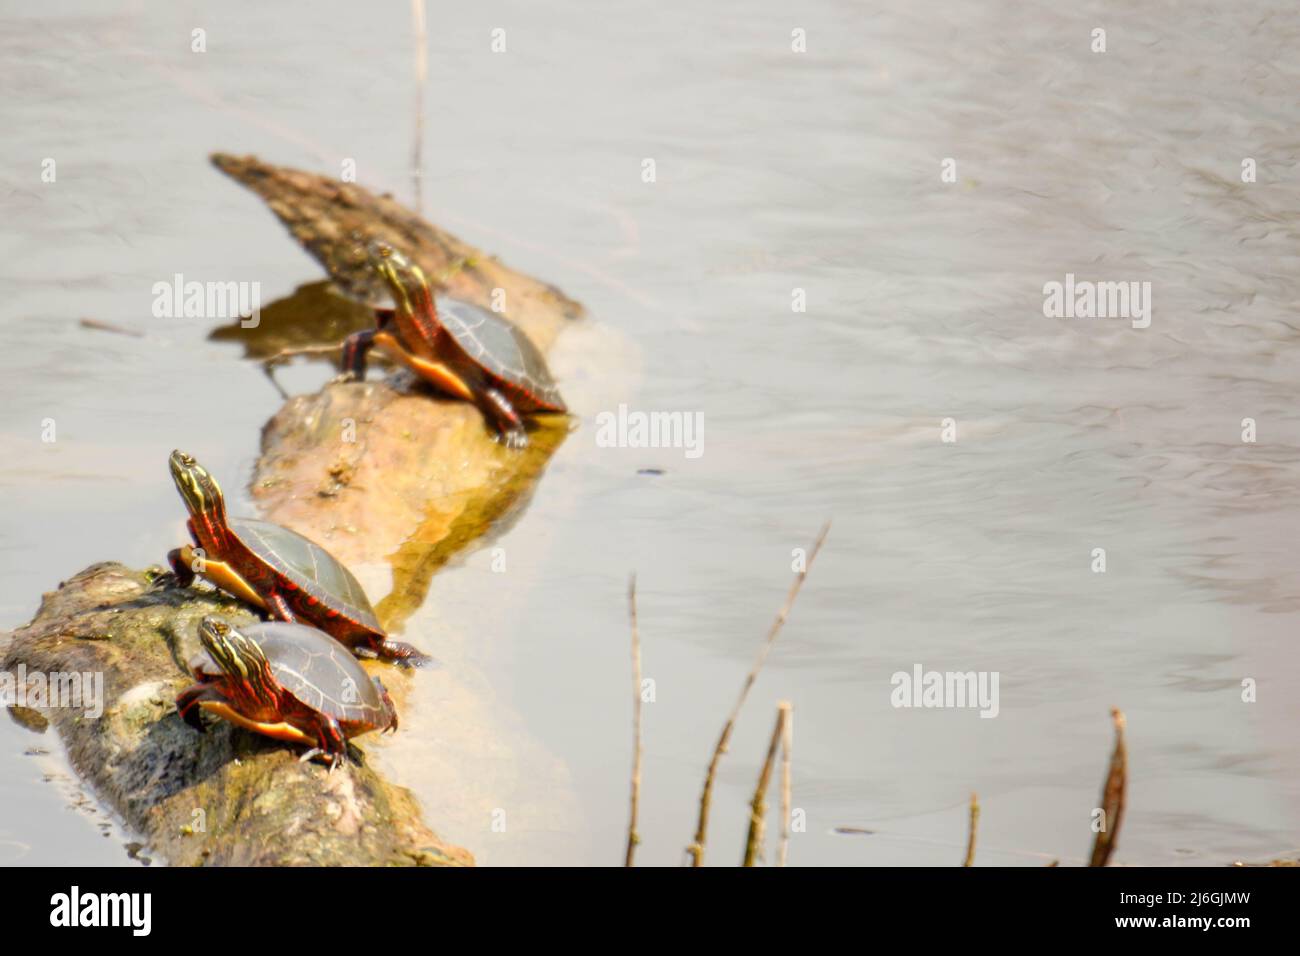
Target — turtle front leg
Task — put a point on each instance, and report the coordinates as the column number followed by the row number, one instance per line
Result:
column 501, row 413
column 181, row 570
column 355, row 349
column 188, row 703
column 331, row 745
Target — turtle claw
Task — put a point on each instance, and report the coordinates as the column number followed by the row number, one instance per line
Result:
column 331, row 760
column 164, row 581
column 514, row 439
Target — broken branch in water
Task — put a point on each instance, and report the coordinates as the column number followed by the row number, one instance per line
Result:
column 1112, row 796
column 99, row 326
column 280, row 357
column 787, row 753
column 696, row 849
column 632, row 838
column 974, row 823
column 758, row 806
column 272, row 362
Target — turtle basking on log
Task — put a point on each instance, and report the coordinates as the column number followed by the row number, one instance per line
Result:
column 287, row 681
column 461, row 349
column 272, row 568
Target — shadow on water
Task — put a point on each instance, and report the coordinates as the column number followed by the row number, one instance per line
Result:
column 311, row 323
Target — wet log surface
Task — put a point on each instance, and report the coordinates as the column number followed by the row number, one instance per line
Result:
column 377, row 471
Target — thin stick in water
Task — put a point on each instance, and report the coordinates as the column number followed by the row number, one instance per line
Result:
column 974, row 825
column 696, row 849
column 421, row 72
column 99, row 326
column 787, row 751
column 758, row 806
column 1112, row 796
column 282, row 356
column 632, row 837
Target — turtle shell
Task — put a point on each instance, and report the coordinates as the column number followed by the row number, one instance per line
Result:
column 320, row 672
column 309, row 567
column 502, row 350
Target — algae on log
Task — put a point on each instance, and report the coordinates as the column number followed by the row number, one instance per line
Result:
column 225, row 797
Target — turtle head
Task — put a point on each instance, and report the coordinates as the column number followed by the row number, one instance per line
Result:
column 200, row 490
column 239, row 657
column 406, row 281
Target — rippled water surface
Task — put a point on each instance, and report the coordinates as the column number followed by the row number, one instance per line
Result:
column 776, row 171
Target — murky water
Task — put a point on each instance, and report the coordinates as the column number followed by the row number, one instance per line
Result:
column 775, row 171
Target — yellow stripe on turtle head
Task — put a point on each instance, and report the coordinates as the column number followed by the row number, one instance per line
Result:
column 198, row 488
column 402, row 276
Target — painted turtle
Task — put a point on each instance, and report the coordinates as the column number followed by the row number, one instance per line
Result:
column 275, row 569
column 287, row 681
column 461, row 349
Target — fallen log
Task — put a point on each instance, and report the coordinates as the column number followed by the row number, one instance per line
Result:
column 224, row 797
column 375, row 471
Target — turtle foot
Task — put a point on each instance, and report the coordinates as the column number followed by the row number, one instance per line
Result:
column 403, row 655
column 331, row 761
column 516, row 439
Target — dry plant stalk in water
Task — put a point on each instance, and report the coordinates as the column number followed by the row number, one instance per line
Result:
column 632, row 837
column 758, row 806
column 787, row 754
column 696, row 849
column 974, row 824
column 421, row 72
column 1112, row 796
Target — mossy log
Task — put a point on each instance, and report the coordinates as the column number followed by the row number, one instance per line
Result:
column 221, row 797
